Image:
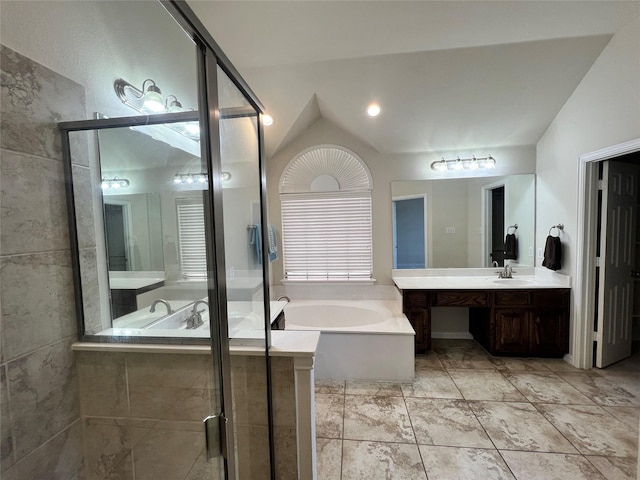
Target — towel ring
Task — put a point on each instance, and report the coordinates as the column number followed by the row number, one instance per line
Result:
column 515, row 227
column 558, row 227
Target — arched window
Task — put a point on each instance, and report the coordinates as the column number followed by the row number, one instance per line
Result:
column 325, row 194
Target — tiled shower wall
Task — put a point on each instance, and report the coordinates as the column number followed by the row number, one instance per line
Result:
column 41, row 429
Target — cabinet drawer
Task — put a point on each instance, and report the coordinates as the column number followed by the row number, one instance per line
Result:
column 416, row 298
column 557, row 297
column 461, row 299
column 513, row 298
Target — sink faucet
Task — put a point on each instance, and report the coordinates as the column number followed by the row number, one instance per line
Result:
column 507, row 272
column 162, row 301
column 195, row 320
column 495, row 264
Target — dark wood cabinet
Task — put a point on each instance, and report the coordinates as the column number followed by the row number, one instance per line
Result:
column 416, row 306
column 521, row 322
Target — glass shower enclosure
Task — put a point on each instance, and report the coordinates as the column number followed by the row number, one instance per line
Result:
column 167, row 225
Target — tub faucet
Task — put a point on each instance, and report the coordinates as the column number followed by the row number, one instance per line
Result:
column 283, row 297
column 162, row 301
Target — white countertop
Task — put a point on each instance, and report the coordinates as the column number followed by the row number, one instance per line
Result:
column 134, row 283
column 478, row 279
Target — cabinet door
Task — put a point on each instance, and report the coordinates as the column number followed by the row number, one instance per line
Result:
column 511, row 330
column 549, row 332
column 421, row 323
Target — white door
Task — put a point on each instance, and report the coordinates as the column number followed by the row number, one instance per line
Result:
column 617, row 256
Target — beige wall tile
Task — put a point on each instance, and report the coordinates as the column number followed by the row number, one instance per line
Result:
column 284, row 393
column 6, row 440
column 107, row 446
column 43, row 395
column 37, row 301
column 102, row 383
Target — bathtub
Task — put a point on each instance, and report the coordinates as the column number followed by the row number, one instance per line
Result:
column 360, row 340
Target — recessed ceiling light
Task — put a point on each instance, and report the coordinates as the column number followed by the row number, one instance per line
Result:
column 373, row 110
column 267, row 120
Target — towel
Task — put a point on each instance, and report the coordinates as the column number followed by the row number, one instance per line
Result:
column 273, row 243
column 255, row 239
column 510, row 247
column 552, row 253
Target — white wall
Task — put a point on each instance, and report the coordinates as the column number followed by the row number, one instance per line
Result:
column 604, row 110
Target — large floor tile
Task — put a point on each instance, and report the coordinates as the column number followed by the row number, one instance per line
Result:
column 329, row 415
column 381, row 461
column 363, row 387
column 329, row 458
column 446, row 422
column 466, row 358
column 510, row 364
column 550, row 466
column 519, row 426
column 383, row 419
column 431, row 384
column 330, row 386
column 627, row 415
column 603, row 390
column 485, row 385
column 428, row 360
column 592, row 430
column 546, row 387
column 615, row 468
column 447, row 463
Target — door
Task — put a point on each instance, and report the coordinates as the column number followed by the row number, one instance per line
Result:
column 116, row 239
column 409, row 233
column 617, row 256
column 497, row 226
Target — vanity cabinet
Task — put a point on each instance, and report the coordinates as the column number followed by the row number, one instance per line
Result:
column 522, row 322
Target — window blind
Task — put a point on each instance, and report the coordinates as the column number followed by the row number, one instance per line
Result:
column 191, row 238
column 327, row 236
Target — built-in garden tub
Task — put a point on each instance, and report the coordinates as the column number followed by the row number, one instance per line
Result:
column 360, row 339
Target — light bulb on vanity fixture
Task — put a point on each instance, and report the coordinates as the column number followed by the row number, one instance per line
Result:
column 459, row 164
column 201, row 178
column 114, row 183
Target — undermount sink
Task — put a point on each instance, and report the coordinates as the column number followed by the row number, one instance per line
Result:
column 515, row 282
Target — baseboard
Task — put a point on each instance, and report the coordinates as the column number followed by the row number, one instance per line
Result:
column 452, row 335
column 569, row 359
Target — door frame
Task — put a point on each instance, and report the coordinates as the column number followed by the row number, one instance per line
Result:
column 393, row 225
column 126, row 222
column 487, row 236
column 584, row 292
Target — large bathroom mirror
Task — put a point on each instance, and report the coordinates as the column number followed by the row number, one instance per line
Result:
column 152, row 185
column 463, row 223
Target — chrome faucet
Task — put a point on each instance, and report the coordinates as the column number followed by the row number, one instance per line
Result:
column 507, row 272
column 162, row 301
column 195, row 319
column 495, row 264
column 283, row 297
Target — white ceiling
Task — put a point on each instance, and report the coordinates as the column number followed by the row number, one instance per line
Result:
column 449, row 75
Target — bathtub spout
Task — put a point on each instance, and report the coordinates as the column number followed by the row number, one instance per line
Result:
column 283, row 297
column 162, row 301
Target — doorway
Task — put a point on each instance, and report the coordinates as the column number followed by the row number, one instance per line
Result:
column 117, row 237
column 410, row 232
column 493, row 197
column 588, row 284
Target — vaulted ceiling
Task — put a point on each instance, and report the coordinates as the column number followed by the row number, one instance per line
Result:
column 447, row 74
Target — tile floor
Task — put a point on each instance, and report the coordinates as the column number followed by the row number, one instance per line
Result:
column 468, row 415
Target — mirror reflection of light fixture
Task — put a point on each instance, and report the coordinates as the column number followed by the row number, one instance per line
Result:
column 459, row 164
column 201, row 177
column 114, row 183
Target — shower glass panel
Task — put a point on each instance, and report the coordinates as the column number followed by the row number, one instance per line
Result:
column 246, row 292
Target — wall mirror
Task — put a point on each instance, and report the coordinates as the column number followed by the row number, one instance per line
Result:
column 462, row 223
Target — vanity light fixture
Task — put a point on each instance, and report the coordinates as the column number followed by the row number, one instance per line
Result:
column 191, row 178
column 151, row 101
column 114, row 183
column 267, row 120
column 459, row 164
